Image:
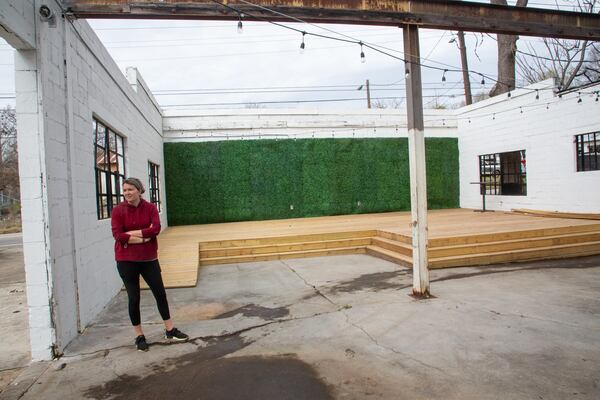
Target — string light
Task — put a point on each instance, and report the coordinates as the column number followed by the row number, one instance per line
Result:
column 509, row 95
column 362, row 53
column 597, row 96
column 302, row 44
column 537, row 94
column 521, row 108
column 406, row 73
column 579, row 97
column 240, row 26
column 444, row 75
column 494, row 116
column 482, row 80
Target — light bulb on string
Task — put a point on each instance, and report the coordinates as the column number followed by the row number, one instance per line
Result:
column 240, row 26
column 494, row 116
column 537, row 94
column 406, row 73
column 302, row 44
column 579, row 97
column 509, row 95
column 597, row 96
column 362, row 54
column 521, row 109
column 482, row 80
column 444, row 75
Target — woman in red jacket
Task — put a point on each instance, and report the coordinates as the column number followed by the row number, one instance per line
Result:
column 135, row 225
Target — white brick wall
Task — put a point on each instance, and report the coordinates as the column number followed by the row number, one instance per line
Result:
column 203, row 125
column 61, row 86
column 545, row 129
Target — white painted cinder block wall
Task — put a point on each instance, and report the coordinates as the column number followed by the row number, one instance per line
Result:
column 65, row 78
column 254, row 124
column 546, row 130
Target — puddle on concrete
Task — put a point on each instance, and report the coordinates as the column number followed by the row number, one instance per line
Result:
column 205, row 374
column 252, row 310
column 399, row 279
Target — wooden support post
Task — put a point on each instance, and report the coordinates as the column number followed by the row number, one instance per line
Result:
column 416, row 158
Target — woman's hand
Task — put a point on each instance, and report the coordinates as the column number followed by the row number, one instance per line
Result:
column 137, row 240
column 137, row 233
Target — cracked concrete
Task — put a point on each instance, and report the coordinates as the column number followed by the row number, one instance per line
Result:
column 346, row 328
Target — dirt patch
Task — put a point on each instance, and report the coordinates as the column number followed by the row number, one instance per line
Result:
column 399, row 279
column 205, row 374
column 252, row 310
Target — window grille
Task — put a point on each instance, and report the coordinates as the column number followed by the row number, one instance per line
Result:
column 109, row 168
column 503, row 173
column 154, row 187
column 587, row 146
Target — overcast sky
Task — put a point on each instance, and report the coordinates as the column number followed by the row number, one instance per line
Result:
column 219, row 68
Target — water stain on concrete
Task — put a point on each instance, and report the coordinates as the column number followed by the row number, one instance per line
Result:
column 375, row 282
column 205, row 374
column 253, row 310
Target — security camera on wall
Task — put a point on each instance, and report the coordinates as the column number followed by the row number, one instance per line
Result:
column 47, row 15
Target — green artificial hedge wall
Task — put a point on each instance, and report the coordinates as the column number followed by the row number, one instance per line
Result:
column 225, row 181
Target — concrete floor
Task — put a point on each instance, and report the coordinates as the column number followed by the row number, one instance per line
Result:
column 346, row 328
column 14, row 330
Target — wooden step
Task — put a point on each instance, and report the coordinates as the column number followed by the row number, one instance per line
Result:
column 283, row 247
column 511, row 235
column 394, row 236
column 393, row 245
column 389, row 255
column 541, row 253
column 270, row 240
column 284, row 255
column 516, row 244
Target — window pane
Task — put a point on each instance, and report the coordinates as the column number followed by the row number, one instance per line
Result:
column 100, row 158
column 120, row 145
column 121, row 164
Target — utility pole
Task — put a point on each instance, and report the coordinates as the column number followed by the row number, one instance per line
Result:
column 368, row 95
column 465, row 67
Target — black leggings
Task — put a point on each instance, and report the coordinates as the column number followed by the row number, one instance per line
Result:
column 130, row 272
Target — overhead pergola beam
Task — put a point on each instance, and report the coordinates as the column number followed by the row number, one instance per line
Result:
column 434, row 14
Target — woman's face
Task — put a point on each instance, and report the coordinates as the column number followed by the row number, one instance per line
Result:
column 131, row 194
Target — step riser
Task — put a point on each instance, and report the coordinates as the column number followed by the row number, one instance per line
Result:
column 574, row 251
column 286, row 239
column 497, row 237
column 398, row 248
column 523, row 244
column 394, row 236
column 258, row 257
column 239, row 251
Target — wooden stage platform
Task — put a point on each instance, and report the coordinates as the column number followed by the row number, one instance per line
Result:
column 457, row 237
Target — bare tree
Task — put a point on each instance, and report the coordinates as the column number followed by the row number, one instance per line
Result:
column 570, row 62
column 507, row 49
column 9, row 171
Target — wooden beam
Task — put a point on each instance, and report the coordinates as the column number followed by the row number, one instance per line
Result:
column 435, row 14
column 416, row 160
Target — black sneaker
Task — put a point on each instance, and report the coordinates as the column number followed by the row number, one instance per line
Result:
column 176, row 334
column 140, row 343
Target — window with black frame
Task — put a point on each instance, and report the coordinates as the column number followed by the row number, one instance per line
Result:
column 109, row 154
column 587, row 146
column 503, row 173
column 154, row 187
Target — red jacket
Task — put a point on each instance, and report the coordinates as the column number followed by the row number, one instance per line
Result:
column 126, row 217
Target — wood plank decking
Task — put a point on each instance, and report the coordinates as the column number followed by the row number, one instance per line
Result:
column 457, row 237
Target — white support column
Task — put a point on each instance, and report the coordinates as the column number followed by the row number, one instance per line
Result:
column 416, row 158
